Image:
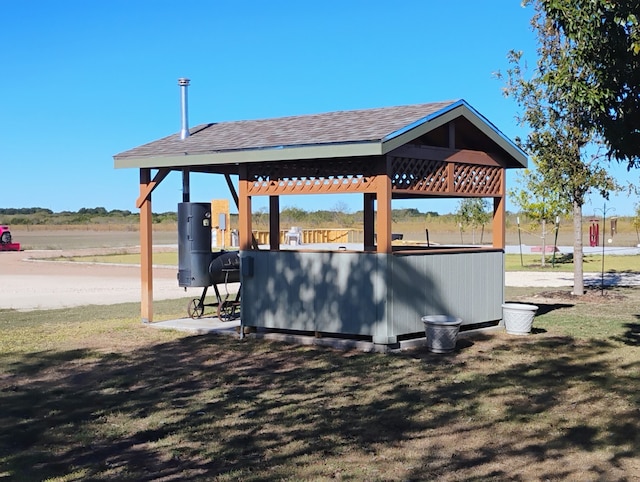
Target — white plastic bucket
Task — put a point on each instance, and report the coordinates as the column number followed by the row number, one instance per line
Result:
column 518, row 318
column 442, row 332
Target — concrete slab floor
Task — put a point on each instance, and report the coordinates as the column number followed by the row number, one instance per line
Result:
column 199, row 326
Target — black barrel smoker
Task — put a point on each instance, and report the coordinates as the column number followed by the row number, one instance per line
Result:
column 199, row 266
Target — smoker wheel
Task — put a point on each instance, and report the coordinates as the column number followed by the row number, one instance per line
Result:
column 228, row 310
column 195, row 308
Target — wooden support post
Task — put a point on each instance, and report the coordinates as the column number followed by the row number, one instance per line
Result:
column 274, row 223
column 383, row 196
column 234, row 194
column 244, row 211
column 369, row 221
column 500, row 213
column 146, row 248
column 451, row 165
column 499, row 219
column 452, row 134
column 451, row 177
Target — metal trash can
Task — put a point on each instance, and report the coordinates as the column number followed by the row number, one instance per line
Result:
column 442, row 332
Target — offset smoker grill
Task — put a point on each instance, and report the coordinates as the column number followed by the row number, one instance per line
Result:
column 198, row 266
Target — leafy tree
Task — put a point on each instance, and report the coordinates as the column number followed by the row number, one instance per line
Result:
column 603, row 39
column 341, row 214
column 293, row 214
column 473, row 212
column 261, row 218
column 120, row 213
column 166, row 217
column 20, row 220
column 99, row 211
column 558, row 142
column 636, row 222
column 536, row 203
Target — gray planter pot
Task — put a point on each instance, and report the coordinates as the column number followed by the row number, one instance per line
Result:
column 518, row 318
column 442, row 332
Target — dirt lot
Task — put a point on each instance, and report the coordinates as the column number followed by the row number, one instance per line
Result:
column 27, row 283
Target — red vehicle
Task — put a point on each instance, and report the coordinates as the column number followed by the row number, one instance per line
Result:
column 5, row 240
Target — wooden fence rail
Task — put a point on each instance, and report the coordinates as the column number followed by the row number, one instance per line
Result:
column 313, row 236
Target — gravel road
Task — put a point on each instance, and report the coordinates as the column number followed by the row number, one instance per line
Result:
column 28, row 284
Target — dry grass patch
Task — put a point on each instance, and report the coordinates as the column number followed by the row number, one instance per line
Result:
column 112, row 399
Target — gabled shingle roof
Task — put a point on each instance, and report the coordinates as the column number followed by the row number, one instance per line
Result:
column 331, row 134
column 304, row 130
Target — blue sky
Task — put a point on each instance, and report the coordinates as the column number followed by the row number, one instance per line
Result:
column 86, row 80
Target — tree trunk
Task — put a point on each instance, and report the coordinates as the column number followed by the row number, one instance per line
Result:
column 578, row 275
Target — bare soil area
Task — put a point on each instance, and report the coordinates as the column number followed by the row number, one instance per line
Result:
column 28, row 281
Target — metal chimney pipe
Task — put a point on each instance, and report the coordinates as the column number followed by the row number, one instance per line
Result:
column 184, row 130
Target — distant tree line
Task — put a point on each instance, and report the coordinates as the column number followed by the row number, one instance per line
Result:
column 98, row 215
column 337, row 216
column 19, row 211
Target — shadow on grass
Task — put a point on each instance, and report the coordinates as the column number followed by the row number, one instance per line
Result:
column 544, row 308
column 564, row 258
column 631, row 336
column 538, row 390
column 609, row 280
column 211, row 407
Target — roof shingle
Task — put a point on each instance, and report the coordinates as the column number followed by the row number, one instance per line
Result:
column 328, row 128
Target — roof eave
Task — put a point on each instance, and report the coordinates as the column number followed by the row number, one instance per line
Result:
column 281, row 153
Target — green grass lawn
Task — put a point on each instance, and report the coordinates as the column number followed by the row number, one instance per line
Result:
column 591, row 263
column 163, row 258
column 90, row 393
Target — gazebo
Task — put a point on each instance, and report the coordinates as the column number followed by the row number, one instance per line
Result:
column 379, row 292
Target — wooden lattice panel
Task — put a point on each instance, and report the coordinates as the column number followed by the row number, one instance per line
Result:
column 479, row 180
column 418, row 175
column 310, row 177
